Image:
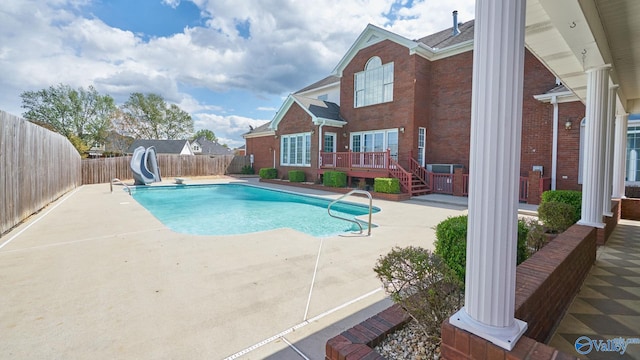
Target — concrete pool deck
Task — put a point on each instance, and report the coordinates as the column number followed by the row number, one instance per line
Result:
column 95, row 275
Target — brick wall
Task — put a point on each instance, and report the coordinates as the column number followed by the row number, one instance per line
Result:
column 449, row 123
column 569, row 145
column 630, row 209
column 546, row 283
column 610, row 223
column 406, row 85
column 262, row 149
column 296, row 121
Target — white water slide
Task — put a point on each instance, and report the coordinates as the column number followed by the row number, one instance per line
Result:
column 144, row 166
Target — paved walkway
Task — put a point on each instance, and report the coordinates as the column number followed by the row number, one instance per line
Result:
column 608, row 303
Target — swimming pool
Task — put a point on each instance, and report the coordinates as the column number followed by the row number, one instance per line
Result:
column 230, row 209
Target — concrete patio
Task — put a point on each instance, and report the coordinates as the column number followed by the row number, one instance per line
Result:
column 95, row 275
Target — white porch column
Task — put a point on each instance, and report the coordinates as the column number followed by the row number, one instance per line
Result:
column 594, row 146
column 494, row 172
column 620, row 155
column 608, row 158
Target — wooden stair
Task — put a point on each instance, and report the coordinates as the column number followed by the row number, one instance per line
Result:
column 418, row 187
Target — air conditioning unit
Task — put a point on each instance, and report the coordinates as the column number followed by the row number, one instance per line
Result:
column 443, row 168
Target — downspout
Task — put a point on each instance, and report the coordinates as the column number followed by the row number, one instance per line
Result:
column 554, row 151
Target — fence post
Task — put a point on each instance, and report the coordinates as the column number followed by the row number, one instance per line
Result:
column 535, row 185
column 458, row 182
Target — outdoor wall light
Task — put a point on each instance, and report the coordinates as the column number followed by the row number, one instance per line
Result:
column 313, row 131
column 344, row 134
column 402, row 129
column 568, row 125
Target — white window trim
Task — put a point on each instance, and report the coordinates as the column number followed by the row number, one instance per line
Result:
column 371, row 132
column 386, row 97
column 305, row 137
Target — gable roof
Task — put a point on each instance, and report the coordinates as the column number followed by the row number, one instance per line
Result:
column 329, row 80
column 433, row 47
column 211, row 147
column 445, row 38
column 162, row 146
column 321, row 112
column 262, row 130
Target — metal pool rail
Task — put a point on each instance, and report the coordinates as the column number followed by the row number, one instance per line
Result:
column 356, row 191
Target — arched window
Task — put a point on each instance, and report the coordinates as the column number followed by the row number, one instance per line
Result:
column 374, row 85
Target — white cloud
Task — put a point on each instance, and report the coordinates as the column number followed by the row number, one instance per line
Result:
column 292, row 44
column 228, row 129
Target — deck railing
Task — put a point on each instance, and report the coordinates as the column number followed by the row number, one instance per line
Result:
column 416, row 169
column 441, row 183
column 403, row 176
column 349, row 159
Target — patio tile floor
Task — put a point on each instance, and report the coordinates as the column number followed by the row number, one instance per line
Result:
column 608, row 303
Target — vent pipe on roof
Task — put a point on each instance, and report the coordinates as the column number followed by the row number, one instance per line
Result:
column 456, row 31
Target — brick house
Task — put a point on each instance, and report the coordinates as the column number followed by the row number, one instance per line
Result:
column 396, row 107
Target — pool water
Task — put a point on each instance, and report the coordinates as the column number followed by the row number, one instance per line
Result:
column 229, row 209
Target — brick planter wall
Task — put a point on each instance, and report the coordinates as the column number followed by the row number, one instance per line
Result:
column 546, row 283
column 610, row 223
column 359, row 341
column 630, row 209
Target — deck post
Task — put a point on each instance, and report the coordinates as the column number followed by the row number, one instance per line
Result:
column 494, row 173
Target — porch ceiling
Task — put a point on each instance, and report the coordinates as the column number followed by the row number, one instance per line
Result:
column 571, row 36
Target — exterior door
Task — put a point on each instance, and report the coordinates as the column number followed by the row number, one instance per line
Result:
column 329, row 148
column 422, row 140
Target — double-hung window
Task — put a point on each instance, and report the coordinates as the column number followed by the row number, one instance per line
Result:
column 374, row 85
column 296, row 150
column 633, row 153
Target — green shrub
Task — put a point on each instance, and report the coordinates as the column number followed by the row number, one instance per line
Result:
column 296, row 176
column 268, row 173
column 571, row 197
column 536, row 237
column 523, row 235
column 422, row 284
column 451, row 243
column 556, row 216
column 334, row 179
column 386, row 185
column 247, row 170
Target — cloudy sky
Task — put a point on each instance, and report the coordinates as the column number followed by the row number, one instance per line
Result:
column 229, row 63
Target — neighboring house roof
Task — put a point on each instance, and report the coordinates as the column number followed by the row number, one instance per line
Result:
column 262, row 130
column 164, row 146
column 321, row 112
column 329, row 80
column 211, row 148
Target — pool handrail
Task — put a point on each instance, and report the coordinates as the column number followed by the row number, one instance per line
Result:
column 355, row 191
column 118, row 181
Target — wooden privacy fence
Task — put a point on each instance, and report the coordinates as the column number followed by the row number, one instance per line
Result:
column 95, row 171
column 37, row 166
